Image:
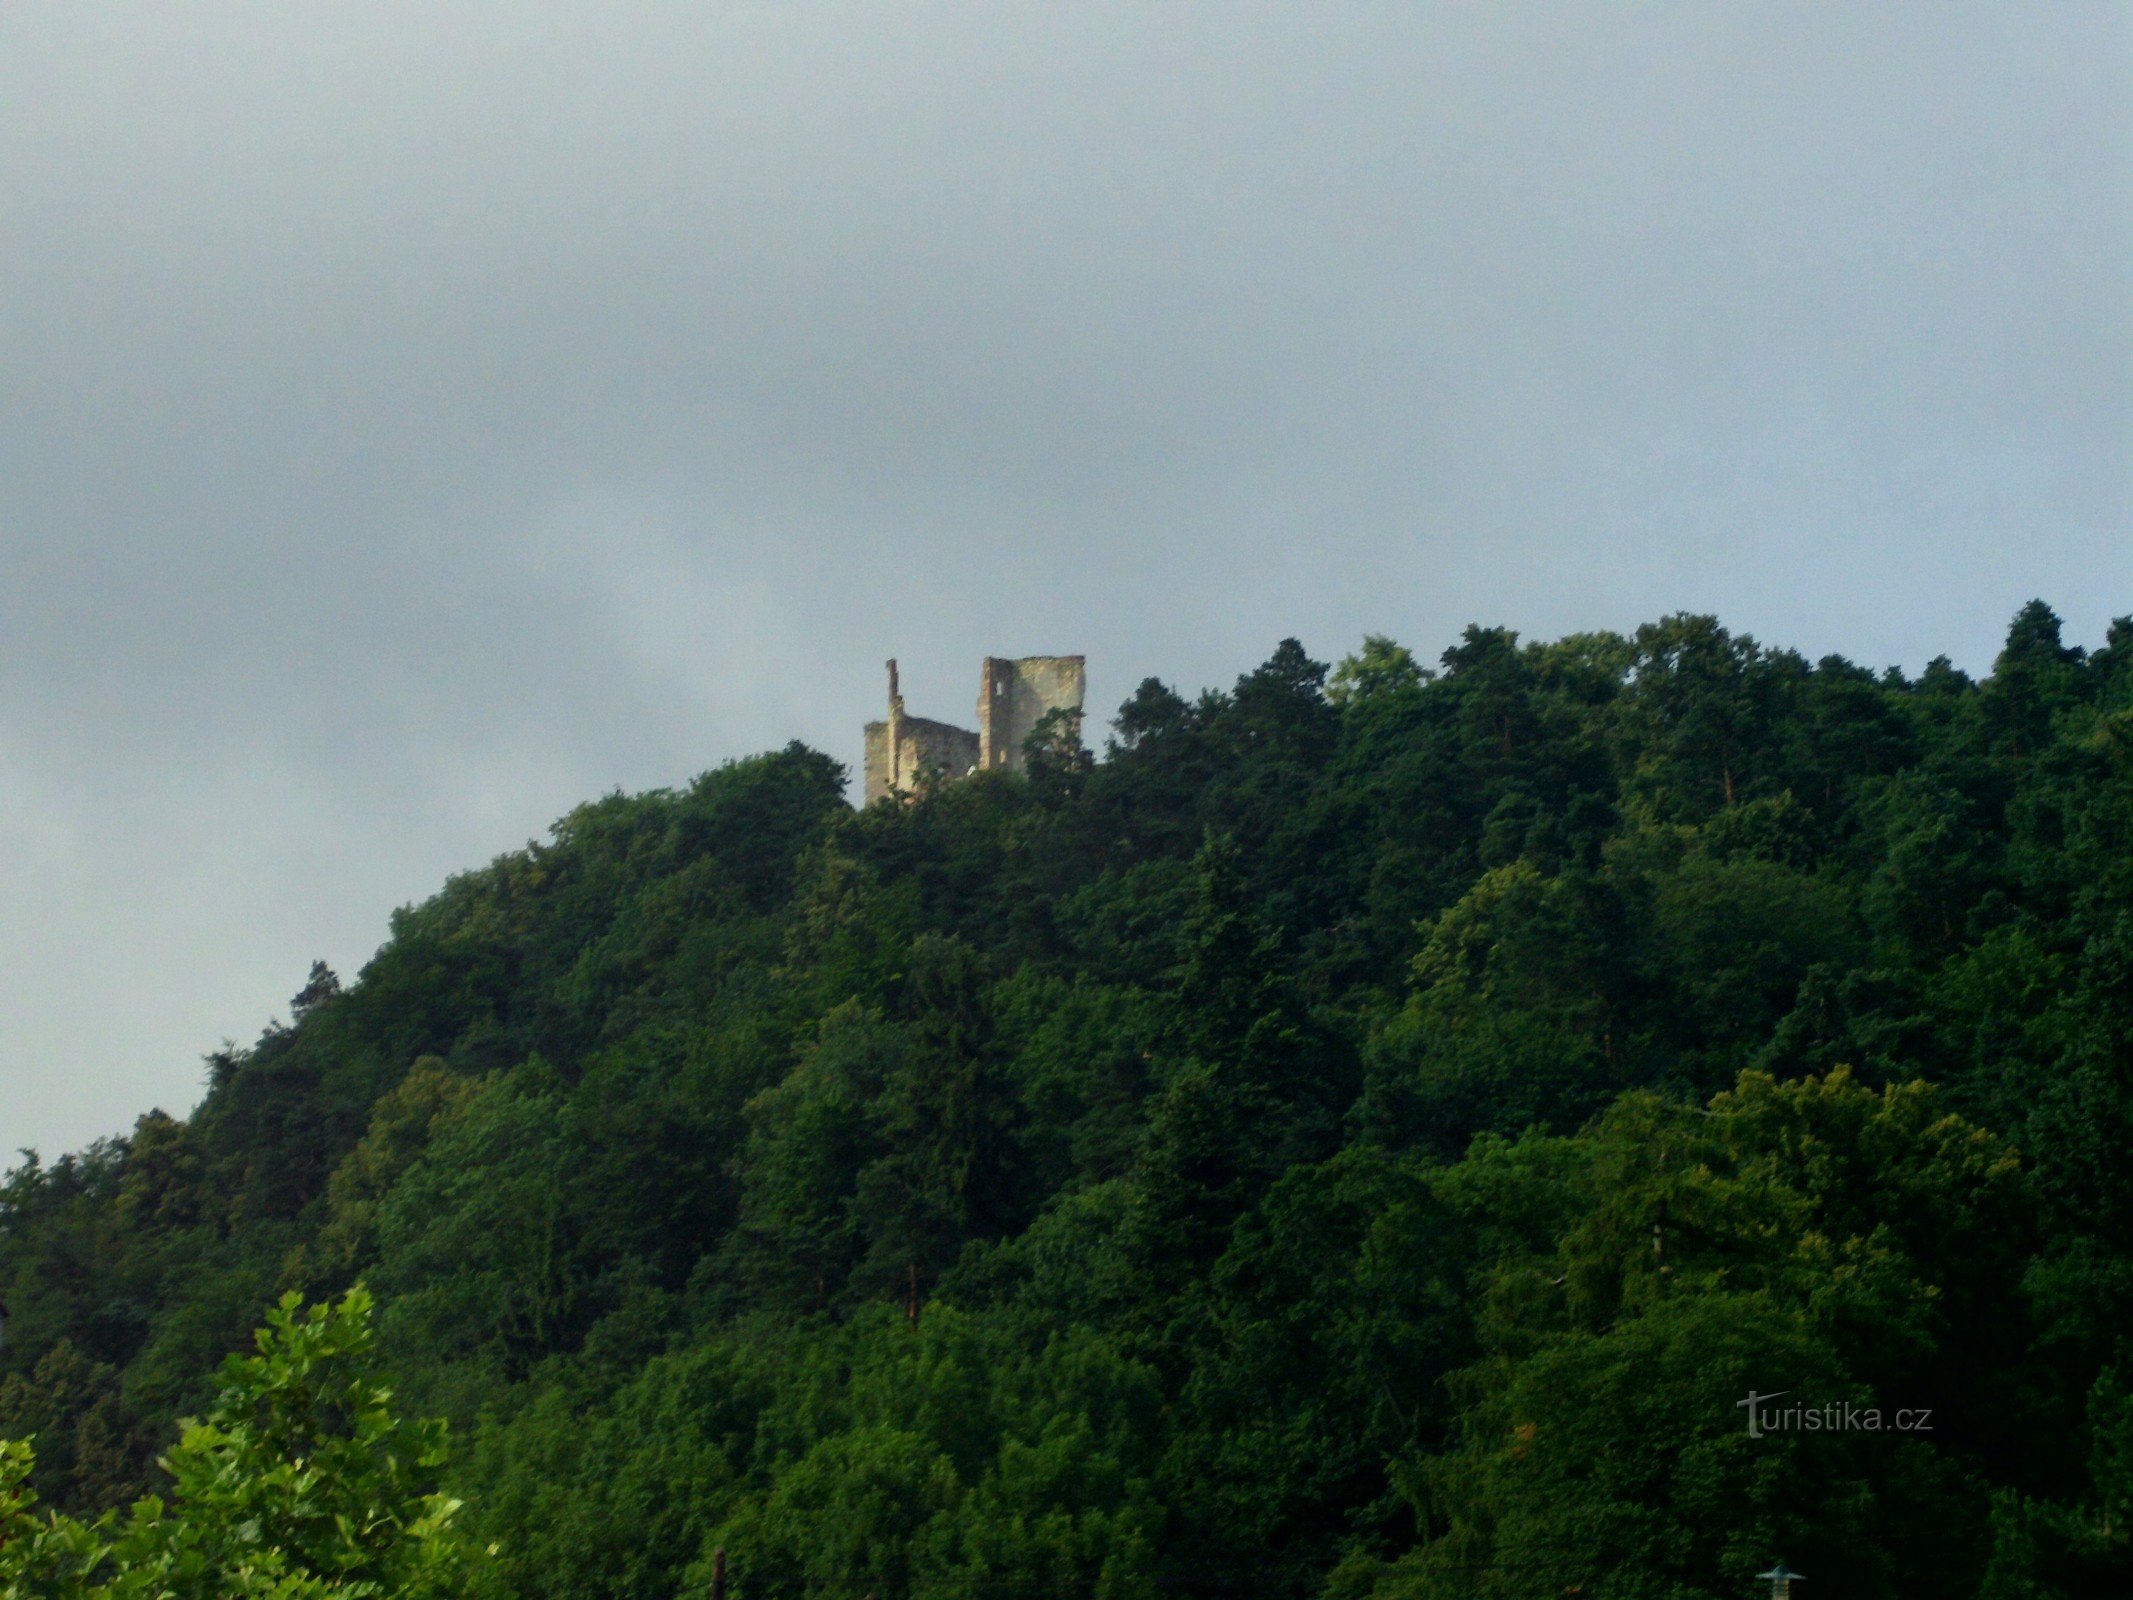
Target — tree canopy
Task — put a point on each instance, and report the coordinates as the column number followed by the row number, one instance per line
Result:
column 1367, row 1135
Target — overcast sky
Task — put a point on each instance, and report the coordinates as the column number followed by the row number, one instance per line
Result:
column 417, row 418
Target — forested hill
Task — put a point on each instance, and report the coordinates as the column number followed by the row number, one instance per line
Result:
column 1365, row 1134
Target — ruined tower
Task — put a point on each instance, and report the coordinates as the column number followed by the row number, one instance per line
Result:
column 1014, row 695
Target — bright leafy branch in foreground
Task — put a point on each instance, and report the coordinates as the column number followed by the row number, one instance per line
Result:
column 299, row 1483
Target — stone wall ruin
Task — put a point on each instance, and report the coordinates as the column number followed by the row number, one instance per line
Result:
column 1014, row 695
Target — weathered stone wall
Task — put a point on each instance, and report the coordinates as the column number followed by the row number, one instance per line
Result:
column 903, row 749
column 876, row 772
column 924, row 745
column 1015, row 695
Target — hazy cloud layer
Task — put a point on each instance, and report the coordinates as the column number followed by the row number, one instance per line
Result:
column 418, row 418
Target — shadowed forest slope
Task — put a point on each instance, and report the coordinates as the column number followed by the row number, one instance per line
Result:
column 1364, row 1135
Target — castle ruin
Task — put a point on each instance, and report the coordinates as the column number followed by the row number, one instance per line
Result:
column 1014, row 695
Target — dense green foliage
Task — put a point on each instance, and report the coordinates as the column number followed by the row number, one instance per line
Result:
column 1365, row 1136
column 301, row 1484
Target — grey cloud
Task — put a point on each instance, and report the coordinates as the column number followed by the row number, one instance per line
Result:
column 418, row 418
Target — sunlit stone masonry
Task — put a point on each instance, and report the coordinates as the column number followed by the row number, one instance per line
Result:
column 1014, row 695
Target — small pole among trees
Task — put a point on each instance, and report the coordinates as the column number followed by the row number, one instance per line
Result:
column 718, row 1573
column 1782, row 1578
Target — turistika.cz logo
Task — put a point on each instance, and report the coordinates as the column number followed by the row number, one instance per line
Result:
column 1833, row 1416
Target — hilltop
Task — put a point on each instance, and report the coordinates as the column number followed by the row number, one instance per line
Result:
column 1364, row 1133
